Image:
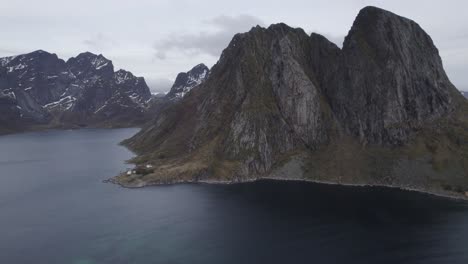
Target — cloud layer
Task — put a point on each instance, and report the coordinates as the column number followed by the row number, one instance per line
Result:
column 210, row 42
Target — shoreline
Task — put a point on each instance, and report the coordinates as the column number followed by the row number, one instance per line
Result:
column 142, row 184
column 62, row 128
column 39, row 128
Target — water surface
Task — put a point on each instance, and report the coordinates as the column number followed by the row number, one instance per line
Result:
column 54, row 208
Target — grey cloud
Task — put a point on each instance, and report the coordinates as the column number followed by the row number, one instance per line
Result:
column 5, row 52
column 160, row 55
column 207, row 42
column 99, row 42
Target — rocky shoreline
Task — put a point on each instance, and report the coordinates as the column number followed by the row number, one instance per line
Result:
column 142, row 184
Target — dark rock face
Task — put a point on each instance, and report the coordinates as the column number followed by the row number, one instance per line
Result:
column 282, row 104
column 391, row 79
column 186, row 81
column 34, row 79
column 135, row 87
column 11, row 115
column 121, row 109
column 47, row 88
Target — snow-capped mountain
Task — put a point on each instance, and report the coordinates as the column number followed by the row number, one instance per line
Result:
column 186, row 81
column 45, row 87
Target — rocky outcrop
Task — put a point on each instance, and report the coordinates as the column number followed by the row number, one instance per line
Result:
column 381, row 110
column 186, row 81
column 50, row 91
column 391, row 79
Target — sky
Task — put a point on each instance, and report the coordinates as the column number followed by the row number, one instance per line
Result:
column 157, row 39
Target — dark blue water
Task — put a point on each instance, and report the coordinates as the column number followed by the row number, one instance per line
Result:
column 54, row 208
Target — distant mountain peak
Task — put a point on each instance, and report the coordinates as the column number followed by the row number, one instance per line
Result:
column 40, row 52
column 186, row 81
column 97, row 61
column 123, row 76
column 42, row 84
column 90, row 64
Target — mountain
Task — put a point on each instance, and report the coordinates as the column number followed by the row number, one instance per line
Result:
column 183, row 84
column 286, row 105
column 186, row 81
column 51, row 92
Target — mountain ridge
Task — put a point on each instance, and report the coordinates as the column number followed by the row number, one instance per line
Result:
column 51, row 92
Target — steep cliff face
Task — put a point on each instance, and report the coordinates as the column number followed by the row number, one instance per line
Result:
column 34, row 79
column 282, row 104
column 391, row 79
column 134, row 87
column 247, row 111
column 50, row 91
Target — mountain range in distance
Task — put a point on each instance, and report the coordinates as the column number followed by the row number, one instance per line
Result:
column 282, row 104
column 38, row 90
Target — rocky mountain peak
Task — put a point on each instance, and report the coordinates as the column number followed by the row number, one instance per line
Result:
column 283, row 29
column 391, row 79
column 135, row 87
column 186, row 81
column 199, row 69
column 123, row 76
column 37, row 58
column 381, row 32
column 90, row 64
column 41, row 53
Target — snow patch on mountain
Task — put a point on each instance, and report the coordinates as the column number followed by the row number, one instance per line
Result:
column 16, row 67
column 122, row 76
column 186, row 81
column 99, row 62
column 4, row 61
column 64, row 103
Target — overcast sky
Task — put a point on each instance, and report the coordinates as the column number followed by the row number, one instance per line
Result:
column 157, row 39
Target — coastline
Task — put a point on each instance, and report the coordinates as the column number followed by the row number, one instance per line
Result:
column 63, row 128
column 141, row 184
